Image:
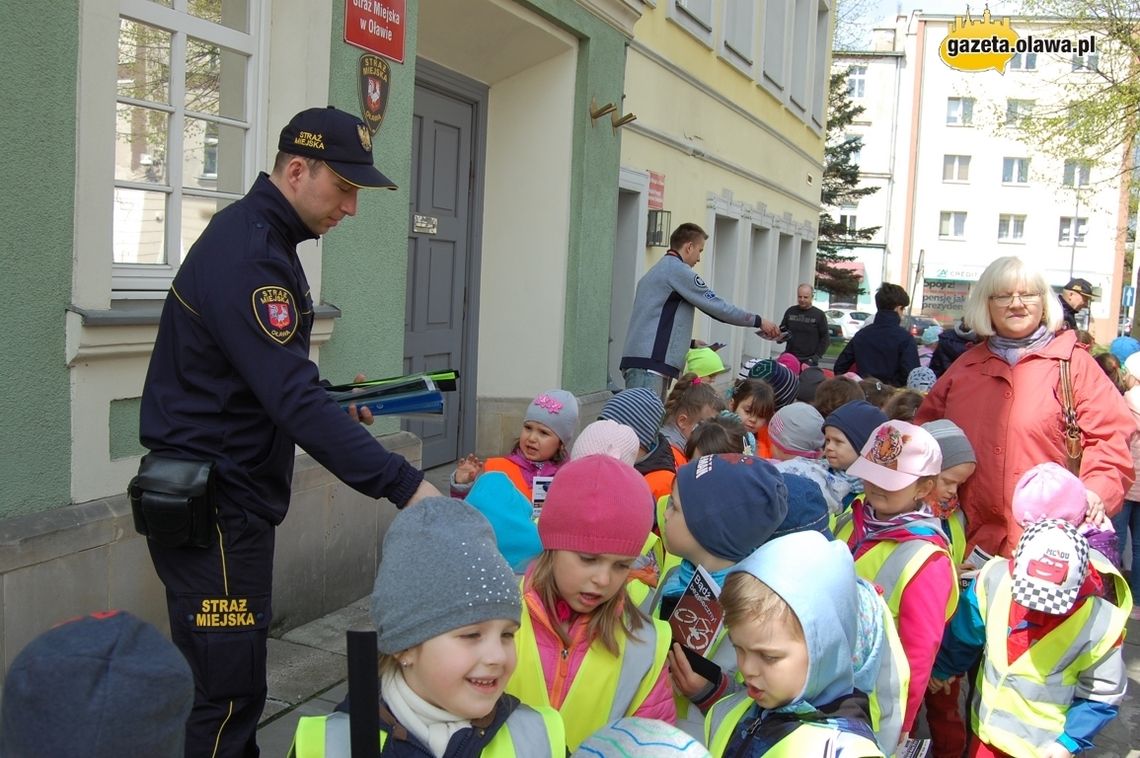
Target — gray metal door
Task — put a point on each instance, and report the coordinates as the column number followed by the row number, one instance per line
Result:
column 439, row 238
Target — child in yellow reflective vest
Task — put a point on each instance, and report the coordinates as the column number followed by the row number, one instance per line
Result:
column 548, row 430
column 446, row 607
column 584, row 648
column 899, row 545
column 1052, row 674
column 792, row 613
column 722, row 508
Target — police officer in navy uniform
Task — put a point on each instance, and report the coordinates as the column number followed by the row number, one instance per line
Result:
column 230, row 382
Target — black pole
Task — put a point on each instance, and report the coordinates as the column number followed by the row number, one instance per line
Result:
column 363, row 694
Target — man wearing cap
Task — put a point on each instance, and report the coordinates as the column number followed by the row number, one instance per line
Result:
column 230, row 384
column 1075, row 297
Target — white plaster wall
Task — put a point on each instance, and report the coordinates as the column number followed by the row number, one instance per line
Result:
column 526, row 229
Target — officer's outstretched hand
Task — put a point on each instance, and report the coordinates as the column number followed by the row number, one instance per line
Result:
column 426, row 489
column 363, row 415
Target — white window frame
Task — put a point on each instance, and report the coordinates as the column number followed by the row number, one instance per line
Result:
column 1023, row 62
column 741, row 53
column 1017, row 109
column 1017, row 160
column 857, row 82
column 774, row 51
column 1011, row 228
column 1076, row 173
column 958, row 165
column 849, row 223
column 955, row 224
column 1067, row 227
column 1086, row 63
column 690, row 18
column 132, row 280
column 963, row 114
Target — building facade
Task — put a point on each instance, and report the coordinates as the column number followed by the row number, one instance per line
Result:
column 960, row 185
column 729, row 97
column 141, row 119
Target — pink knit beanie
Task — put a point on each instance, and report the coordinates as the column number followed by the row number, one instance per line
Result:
column 607, row 437
column 791, row 362
column 1049, row 491
column 597, row 504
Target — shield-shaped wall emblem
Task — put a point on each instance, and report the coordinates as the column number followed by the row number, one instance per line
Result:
column 375, row 74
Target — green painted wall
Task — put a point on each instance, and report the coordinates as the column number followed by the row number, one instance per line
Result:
column 123, row 428
column 365, row 259
column 593, row 195
column 36, row 252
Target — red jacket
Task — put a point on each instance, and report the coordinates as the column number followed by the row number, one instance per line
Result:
column 1012, row 417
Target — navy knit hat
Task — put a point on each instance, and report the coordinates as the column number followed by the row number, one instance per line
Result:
column 785, row 384
column 100, row 686
column 807, row 510
column 856, row 419
column 732, row 503
column 638, row 408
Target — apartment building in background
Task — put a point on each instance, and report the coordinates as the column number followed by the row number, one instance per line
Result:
column 959, row 183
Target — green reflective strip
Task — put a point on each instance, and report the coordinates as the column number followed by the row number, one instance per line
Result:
column 722, row 719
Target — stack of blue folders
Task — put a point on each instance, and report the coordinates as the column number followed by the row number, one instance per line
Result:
column 411, row 395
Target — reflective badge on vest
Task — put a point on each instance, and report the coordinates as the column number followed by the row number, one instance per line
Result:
column 275, row 312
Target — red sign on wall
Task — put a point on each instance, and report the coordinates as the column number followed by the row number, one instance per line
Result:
column 656, row 191
column 376, row 26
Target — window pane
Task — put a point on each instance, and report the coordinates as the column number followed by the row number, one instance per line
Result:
column 196, row 213
column 139, row 226
column 213, row 156
column 140, row 144
column 144, row 62
column 230, row 13
column 215, row 79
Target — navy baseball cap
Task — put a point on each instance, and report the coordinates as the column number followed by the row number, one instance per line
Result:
column 339, row 139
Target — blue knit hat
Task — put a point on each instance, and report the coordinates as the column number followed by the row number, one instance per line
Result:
column 732, row 503
column 807, row 510
column 784, row 382
column 638, row 408
column 856, row 419
column 1122, row 347
column 921, row 379
column 100, row 686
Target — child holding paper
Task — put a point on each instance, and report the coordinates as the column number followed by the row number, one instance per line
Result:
column 548, row 430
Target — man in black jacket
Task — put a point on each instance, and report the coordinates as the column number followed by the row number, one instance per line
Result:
column 806, row 328
column 1075, row 297
column 882, row 349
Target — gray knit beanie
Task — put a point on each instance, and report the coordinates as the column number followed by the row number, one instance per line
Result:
column 956, row 448
column 440, row 570
column 557, row 409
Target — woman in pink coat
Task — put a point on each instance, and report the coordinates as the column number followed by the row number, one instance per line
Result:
column 1005, row 393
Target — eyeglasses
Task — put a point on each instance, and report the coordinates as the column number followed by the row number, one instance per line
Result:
column 1031, row 298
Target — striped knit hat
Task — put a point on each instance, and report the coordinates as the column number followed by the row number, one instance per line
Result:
column 784, row 383
column 638, row 408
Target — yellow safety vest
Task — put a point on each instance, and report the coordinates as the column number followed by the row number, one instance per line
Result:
column 887, row 702
column 1021, row 706
column 808, row 739
column 605, row 688
column 527, row 732
column 957, row 522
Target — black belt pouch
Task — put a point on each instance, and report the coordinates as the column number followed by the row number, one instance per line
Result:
column 173, row 501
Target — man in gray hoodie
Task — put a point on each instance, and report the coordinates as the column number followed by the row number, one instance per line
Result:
column 661, row 325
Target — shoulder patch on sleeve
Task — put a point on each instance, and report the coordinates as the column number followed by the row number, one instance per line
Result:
column 697, row 280
column 275, row 312
column 710, row 295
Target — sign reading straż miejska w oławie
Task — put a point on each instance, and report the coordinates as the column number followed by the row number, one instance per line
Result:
column 376, row 26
